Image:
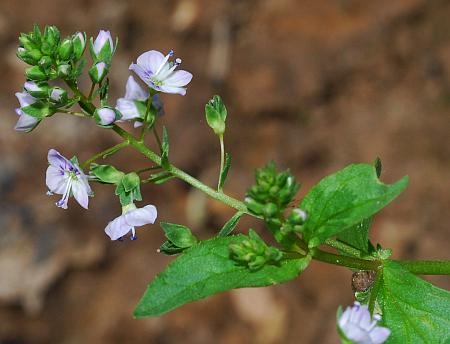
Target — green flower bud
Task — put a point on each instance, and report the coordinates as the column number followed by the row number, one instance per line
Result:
column 79, row 44
column 25, row 56
column 64, row 71
column 216, row 114
column 45, row 61
column 270, row 210
column 297, row 217
column 50, row 40
column 35, row 73
column 65, row 49
column 27, row 42
column 57, row 95
column 98, row 72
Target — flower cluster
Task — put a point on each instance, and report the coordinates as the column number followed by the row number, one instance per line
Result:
column 52, row 57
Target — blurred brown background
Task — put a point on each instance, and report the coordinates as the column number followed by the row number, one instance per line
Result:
column 313, row 85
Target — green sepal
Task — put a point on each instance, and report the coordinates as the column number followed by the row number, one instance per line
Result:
column 107, row 174
column 229, row 226
column 50, row 40
column 129, row 189
column 206, row 269
column 224, row 172
column 36, row 73
column 216, row 114
column 79, row 44
column 41, row 92
column 131, row 181
column 38, row 110
column 165, row 150
column 179, row 235
column 169, row 249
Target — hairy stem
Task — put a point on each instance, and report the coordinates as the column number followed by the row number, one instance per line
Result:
column 222, row 161
column 349, row 262
column 180, row 174
column 426, row 267
column 343, row 247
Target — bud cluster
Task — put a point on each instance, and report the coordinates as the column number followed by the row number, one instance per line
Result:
column 50, row 56
column 254, row 252
column 272, row 192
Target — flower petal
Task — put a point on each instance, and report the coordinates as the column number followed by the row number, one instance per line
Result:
column 117, row 228
column 141, row 216
column 173, row 89
column 151, row 60
column 178, row 78
column 144, row 75
column 25, row 122
column 55, row 180
column 379, row 335
column 57, row 160
column 25, row 99
column 80, row 193
column 127, row 108
column 134, row 91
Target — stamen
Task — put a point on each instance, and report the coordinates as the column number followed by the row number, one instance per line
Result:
column 171, row 53
column 178, row 61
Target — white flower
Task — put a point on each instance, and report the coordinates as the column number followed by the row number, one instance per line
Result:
column 66, row 178
column 26, row 122
column 357, row 325
column 157, row 72
column 106, row 115
column 130, row 218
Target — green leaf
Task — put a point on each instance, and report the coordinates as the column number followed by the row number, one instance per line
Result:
column 230, row 224
column 160, row 177
column 224, row 172
column 413, row 309
column 357, row 235
column 206, row 269
column 165, row 149
column 345, row 199
column 38, row 110
column 179, row 235
column 107, row 174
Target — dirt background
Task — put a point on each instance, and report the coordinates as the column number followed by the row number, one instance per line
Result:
column 313, row 85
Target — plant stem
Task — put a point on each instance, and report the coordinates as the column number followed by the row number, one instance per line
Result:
column 158, row 140
column 74, row 113
column 349, row 262
column 426, row 267
column 146, row 169
column 222, row 161
column 142, row 148
column 105, row 153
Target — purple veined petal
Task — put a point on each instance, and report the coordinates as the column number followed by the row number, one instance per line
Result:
column 25, row 99
column 151, row 60
column 25, row 121
column 56, row 159
column 80, row 193
column 127, row 108
column 141, row 216
column 141, row 73
column 134, row 91
column 173, row 90
column 379, row 335
column 117, row 228
column 178, row 78
column 55, row 179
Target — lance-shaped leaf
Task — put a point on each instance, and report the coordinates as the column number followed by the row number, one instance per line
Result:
column 224, row 172
column 413, row 309
column 229, row 226
column 165, row 149
column 206, row 269
column 345, row 199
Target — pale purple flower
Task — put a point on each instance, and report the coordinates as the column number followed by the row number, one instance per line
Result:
column 66, row 178
column 98, row 72
column 25, row 122
column 103, row 38
column 157, row 72
column 128, row 105
column 106, row 116
column 130, row 218
column 357, row 325
column 31, row 86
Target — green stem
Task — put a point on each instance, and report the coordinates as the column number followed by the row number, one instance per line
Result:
column 104, row 153
column 426, row 267
column 85, row 104
column 74, row 113
column 145, row 124
column 180, row 174
column 347, row 249
column 222, row 161
column 91, row 92
column 349, row 262
column 158, row 140
column 146, row 169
